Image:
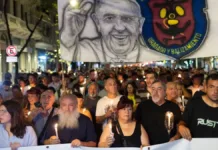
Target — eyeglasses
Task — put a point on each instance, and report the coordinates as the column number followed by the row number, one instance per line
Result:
column 3, row 111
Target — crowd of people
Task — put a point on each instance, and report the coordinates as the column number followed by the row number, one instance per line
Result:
column 120, row 107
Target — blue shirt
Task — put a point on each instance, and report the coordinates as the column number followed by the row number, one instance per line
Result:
column 29, row 138
column 85, row 132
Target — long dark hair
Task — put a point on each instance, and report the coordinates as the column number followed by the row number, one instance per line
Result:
column 18, row 124
column 35, row 91
column 133, row 86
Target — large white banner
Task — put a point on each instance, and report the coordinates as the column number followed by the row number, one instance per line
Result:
column 195, row 144
column 136, row 30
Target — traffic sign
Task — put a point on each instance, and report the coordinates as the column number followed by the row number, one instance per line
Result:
column 11, row 59
column 11, row 51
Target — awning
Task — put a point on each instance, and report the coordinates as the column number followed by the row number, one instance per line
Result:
column 43, row 45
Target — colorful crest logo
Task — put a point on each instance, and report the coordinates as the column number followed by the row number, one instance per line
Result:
column 174, row 27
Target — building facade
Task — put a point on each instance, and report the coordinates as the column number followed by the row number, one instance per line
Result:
column 43, row 39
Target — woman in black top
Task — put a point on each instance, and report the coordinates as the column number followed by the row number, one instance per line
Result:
column 125, row 132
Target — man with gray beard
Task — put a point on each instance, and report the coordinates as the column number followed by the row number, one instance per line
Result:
column 73, row 127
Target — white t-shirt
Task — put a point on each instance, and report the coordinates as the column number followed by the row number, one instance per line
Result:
column 104, row 103
column 29, row 139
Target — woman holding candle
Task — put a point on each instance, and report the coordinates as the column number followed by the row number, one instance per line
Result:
column 33, row 97
column 13, row 129
column 80, row 107
column 172, row 94
column 126, row 132
column 22, row 84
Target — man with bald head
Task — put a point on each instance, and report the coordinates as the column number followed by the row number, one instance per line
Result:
column 106, row 104
column 119, row 24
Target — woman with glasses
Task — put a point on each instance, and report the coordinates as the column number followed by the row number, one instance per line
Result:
column 14, row 131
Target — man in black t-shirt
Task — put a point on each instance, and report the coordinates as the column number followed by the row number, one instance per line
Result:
column 151, row 114
column 73, row 127
column 200, row 119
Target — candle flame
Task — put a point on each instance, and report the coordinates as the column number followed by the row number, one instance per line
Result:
column 56, row 126
column 110, row 126
column 183, row 97
column 169, row 114
column 29, row 112
column 148, row 95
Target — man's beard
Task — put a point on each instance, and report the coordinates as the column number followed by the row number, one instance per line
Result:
column 69, row 119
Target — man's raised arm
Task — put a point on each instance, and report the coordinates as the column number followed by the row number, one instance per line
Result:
column 73, row 23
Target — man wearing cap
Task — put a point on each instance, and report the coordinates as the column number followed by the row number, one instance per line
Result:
column 6, row 91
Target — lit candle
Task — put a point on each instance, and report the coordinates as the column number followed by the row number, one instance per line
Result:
column 29, row 112
column 144, row 77
column 121, row 81
column 137, row 79
column 169, row 115
column 84, row 110
column 56, row 129
column 148, row 95
column 110, row 127
column 29, row 87
column 179, row 76
column 183, row 100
